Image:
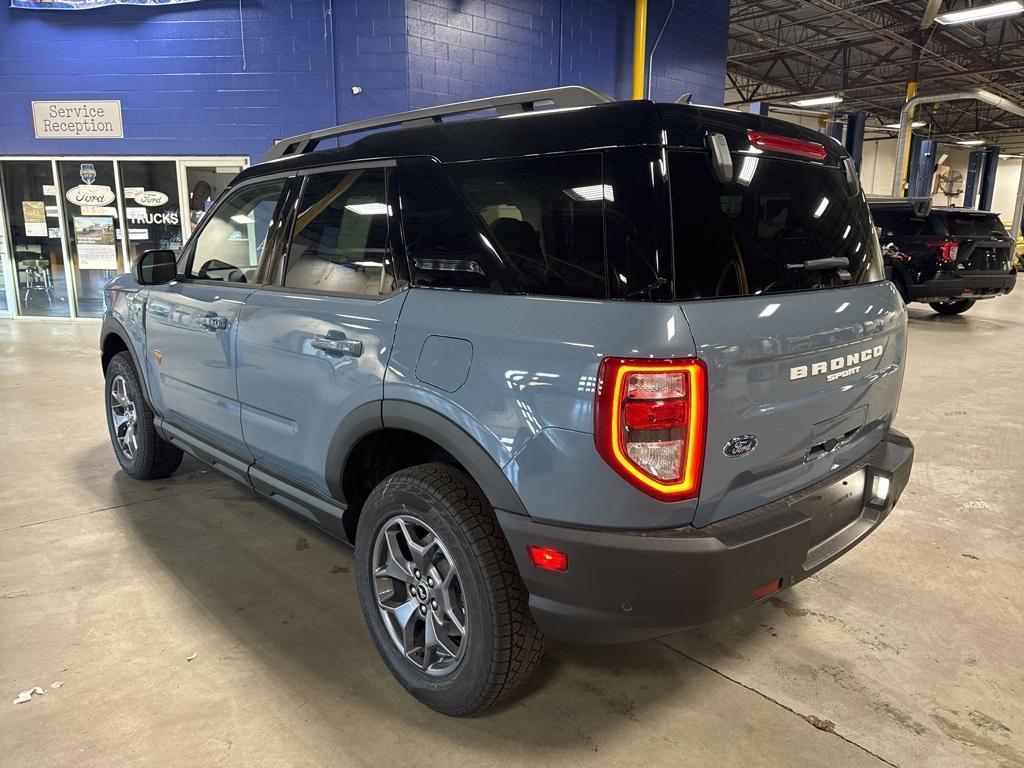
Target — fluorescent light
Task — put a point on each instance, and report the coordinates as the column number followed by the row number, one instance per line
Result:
column 593, row 192
column 821, row 207
column 769, row 310
column 368, row 209
column 971, row 142
column 368, row 264
column 241, row 218
column 817, row 101
column 846, row 234
column 915, row 124
column 983, row 13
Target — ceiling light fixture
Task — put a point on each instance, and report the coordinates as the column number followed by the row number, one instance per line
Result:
column 971, row 142
column 817, row 101
column 915, row 124
column 984, row 13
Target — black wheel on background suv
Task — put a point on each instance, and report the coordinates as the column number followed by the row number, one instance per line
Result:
column 440, row 591
column 952, row 307
column 142, row 453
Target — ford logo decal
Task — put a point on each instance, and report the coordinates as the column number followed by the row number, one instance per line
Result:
column 739, row 446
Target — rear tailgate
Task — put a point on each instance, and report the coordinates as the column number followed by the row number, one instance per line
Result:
column 779, row 272
column 814, row 376
column 984, row 245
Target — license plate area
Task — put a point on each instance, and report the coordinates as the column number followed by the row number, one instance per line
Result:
column 832, row 509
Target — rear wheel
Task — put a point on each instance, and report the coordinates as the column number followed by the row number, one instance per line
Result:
column 952, row 307
column 440, row 591
column 142, row 453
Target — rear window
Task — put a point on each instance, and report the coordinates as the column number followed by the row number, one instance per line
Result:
column 757, row 233
column 903, row 223
column 974, row 225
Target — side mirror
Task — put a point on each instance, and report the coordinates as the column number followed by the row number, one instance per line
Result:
column 156, row 267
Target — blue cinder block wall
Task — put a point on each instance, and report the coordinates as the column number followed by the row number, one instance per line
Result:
column 199, row 79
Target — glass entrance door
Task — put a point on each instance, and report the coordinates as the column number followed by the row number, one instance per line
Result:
column 36, row 259
column 201, row 183
column 90, row 192
column 152, row 208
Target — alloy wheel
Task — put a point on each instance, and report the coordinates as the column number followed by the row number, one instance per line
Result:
column 419, row 595
column 124, row 417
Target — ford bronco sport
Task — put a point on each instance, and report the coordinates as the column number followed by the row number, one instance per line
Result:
column 597, row 371
column 947, row 257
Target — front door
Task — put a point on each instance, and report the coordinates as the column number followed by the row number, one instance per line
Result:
column 316, row 348
column 191, row 324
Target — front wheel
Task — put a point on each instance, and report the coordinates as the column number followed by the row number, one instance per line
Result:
column 440, row 591
column 141, row 452
column 952, row 307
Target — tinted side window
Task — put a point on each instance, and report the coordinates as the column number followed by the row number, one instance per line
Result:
column 443, row 247
column 545, row 216
column 233, row 239
column 340, row 238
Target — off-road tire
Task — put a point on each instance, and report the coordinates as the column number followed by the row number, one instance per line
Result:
column 155, row 458
column 504, row 645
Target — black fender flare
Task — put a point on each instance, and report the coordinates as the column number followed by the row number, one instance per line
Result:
column 412, row 417
column 113, row 327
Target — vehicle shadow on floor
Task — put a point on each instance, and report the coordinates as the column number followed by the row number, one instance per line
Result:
column 286, row 593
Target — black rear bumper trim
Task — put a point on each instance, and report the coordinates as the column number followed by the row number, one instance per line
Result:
column 630, row 585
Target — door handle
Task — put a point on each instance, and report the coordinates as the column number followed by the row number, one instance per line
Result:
column 211, row 321
column 337, row 346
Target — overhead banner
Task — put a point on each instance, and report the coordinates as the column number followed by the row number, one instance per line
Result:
column 82, row 5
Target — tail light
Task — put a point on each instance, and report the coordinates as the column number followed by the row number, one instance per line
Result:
column 787, row 145
column 649, row 426
column 946, row 250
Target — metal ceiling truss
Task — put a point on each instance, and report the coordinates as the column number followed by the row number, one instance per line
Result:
column 868, row 50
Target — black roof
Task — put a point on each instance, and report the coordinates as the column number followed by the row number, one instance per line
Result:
column 615, row 124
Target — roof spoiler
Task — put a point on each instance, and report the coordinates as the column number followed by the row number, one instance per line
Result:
column 921, row 206
column 562, row 97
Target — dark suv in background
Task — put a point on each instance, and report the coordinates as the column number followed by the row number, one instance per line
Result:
column 946, row 257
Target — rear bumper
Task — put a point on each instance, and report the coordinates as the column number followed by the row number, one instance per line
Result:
column 622, row 587
column 963, row 285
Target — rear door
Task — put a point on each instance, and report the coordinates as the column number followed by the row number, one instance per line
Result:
column 314, row 348
column 191, row 323
column 804, row 363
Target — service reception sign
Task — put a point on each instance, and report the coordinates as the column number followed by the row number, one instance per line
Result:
column 79, row 5
column 77, row 119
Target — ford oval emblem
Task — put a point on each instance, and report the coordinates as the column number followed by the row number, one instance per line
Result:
column 739, row 446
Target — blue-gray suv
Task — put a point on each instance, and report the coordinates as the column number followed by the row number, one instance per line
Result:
column 584, row 369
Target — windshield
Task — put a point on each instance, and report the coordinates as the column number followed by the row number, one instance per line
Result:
column 767, row 230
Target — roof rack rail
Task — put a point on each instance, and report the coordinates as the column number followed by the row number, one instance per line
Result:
column 561, row 97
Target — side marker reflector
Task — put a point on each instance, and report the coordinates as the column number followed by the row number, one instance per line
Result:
column 549, row 559
column 771, row 587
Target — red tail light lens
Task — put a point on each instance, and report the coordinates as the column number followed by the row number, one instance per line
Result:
column 946, row 250
column 787, row 145
column 650, row 418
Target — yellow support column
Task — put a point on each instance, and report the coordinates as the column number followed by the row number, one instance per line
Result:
column 639, row 47
column 911, row 93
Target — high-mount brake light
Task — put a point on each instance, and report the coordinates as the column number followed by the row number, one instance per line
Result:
column 650, row 418
column 787, row 145
column 946, row 250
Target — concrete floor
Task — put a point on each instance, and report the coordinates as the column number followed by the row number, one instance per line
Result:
column 906, row 652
